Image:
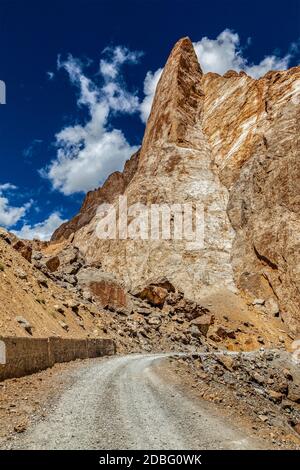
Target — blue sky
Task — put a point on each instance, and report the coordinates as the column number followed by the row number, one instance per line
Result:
column 80, row 77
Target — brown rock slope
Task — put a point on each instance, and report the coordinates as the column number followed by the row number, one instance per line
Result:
column 115, row 184
column 33, row 305
column 230, row 143
column 57, row 293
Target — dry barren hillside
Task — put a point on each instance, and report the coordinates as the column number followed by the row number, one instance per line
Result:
column 33, row 305
column 39, row 299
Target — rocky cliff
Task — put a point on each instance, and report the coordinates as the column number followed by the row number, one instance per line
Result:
column 230, row 144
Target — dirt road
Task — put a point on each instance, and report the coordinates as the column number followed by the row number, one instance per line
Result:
column 123, row 403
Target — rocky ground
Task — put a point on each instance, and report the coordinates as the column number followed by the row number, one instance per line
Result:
column 33, row 304
column 50, row 290
column 259, row 390
column 26, row 400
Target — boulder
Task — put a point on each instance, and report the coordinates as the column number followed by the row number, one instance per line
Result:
column 225, row 333
column 72, row 268
column 204, row 322
column 258, row 378
column 263, row 418
column 70, row 279
column 190, row 309
column 21, row 274
column 297, row 428
column 20, row 427
column 213, row 337
column 143, row 310
column 103, row 287
column 155, row 321
column 287, row 374
column 53, row 263
column 276, row 397
column 5, row 235
column 294, row 392
column 227, row 361
column 86, row 295
column 37, row 255
column 42, row 281
column 72, row 304
column 24, row 249
column 156, row 293
column 258, row 302
column 194, row 331
column 70, row 255
column 271, row 307
column 174, row 298
column 58, row 309
column 64, row 325
column 24, row 324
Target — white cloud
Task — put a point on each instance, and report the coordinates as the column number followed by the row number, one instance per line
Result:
column 6, row 186
column 150, row 83
column 50, row 75
column 226, row 53
column 220, row 55
column 115, row 58
column 270, row 62
column 10, row 215
column 42, row 230
column 29, row 152
column 88, row 153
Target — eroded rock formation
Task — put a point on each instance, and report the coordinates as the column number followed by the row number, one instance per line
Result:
column 230, row 143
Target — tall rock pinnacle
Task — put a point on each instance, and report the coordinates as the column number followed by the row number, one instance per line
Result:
column 175, row 167
column 177, row 100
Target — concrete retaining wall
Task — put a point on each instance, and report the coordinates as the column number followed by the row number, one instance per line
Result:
column 22, row 356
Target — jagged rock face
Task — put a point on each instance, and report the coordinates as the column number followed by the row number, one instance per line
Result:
column 175, row 166
column 253, row 129
column 230, row 143
column 264, row 197
column 115, row 184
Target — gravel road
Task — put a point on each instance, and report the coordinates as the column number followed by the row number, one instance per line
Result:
column 123, row 403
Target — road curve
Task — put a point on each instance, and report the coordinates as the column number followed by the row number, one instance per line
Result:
column 122, row 403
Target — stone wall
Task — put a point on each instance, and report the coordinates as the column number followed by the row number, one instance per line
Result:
column 28, row 355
